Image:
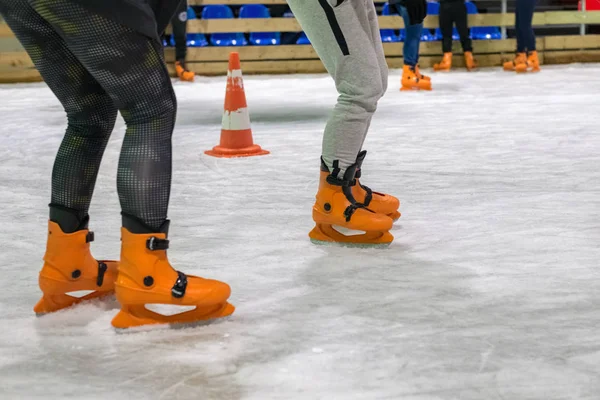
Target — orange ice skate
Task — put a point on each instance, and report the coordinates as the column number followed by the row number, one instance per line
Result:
column 147, row 280
column 411, row 81
column 379, row 202
column 470, row 62
column 531, row 64
column 519, row 59
column 445, row 64
column 341, row 219
column 183, row 73
column 69, row 269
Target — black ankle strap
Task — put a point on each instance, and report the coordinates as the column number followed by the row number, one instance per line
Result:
column 154, row 244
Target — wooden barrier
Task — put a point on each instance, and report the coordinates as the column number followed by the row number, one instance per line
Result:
column 17, row 67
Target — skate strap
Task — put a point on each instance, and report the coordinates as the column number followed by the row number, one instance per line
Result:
column 351, row 209
column 155, row 243
column 102, row 267
column 369, row 195
column 178, row 290
column 89, row 238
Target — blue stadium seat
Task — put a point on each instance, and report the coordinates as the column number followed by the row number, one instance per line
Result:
column 260, row 38
column 194, row 39
column 482, row 32
column 303, row 39
column 388, row 35
column 191, row 13
column 223, row 39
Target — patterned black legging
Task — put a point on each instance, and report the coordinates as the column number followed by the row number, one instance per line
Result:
column 96, row 67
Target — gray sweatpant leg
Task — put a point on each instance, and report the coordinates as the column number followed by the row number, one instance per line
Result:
column 346, row 38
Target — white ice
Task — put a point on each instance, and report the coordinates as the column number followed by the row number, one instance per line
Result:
column 491, row 289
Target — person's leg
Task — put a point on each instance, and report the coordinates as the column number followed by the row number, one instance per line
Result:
column 527, row 8
column 91, row 114
column 521, row 55
column 462, row 25
column 412, row 40
column 519, row 23
column 375, row 37
column 378, row 202
column 349, row 56
column 446, row 21
column 531, row 63
column 179, row 26
column 411, row 76
column 69, row 265
column 130, row 68
column 337, row 31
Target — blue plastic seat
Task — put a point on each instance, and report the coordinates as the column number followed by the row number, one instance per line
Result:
column 260, row 38
column 303, row 39
column 482, row 32
column 388, row 35
column 223, row 39
column 191, row 13
column 194, row 39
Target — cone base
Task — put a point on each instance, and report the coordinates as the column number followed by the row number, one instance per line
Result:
column 223, row 152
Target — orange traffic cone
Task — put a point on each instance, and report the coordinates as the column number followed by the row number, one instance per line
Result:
column 236, row 135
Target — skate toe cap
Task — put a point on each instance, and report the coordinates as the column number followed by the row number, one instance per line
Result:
column 209, row 290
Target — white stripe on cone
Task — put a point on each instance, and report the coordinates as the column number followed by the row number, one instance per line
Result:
column 236, row 73
column 236, row 120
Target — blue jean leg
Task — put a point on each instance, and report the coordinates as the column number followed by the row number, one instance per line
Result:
column 412, row 39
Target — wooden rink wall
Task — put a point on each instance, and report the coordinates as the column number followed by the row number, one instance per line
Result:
column 16, row 66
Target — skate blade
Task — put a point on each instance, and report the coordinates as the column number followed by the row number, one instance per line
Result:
column 138, row 316
column 414, row 89
column 53, row 303
column 327, row 235
column 351, row 245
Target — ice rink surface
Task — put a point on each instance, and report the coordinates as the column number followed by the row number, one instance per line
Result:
column 491, row 289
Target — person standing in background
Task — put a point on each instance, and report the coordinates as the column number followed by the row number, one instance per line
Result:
column 412, row 79
column 454, row 12
column 179, row 25
column 526, row 59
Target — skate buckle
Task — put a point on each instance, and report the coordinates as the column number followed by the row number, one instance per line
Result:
column 155, row 243
column 89, row 238
column 102, row 267
column 178, row 290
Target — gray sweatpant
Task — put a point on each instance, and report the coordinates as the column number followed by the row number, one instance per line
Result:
column 346, row 37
